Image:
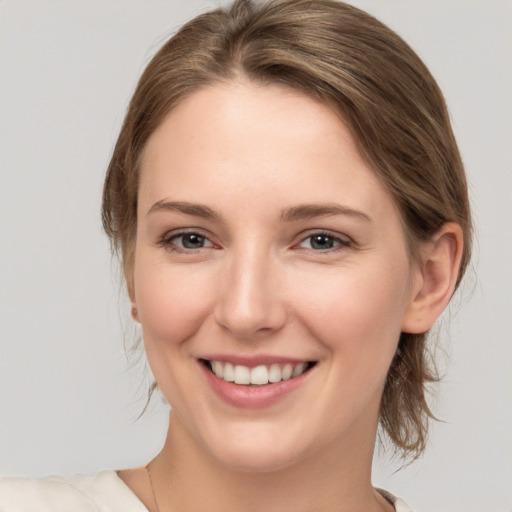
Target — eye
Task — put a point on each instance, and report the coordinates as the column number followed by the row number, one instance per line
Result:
column 323, row 242
column 186, row 241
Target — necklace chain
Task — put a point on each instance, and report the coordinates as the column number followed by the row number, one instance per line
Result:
column 151, row 484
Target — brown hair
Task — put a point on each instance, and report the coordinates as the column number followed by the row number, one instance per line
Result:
column 382, row 90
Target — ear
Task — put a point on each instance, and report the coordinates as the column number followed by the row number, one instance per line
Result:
column 128, row 264
column 135, row 312
column 131, row 295
column 434, row 278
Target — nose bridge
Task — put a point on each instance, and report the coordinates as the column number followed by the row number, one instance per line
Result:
column 249, row 302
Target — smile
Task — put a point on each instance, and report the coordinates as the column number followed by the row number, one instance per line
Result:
column 259, row 375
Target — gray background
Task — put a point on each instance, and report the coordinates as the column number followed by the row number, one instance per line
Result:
column 68, row 398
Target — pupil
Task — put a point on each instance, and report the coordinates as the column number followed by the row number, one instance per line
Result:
column 322, row 242
column 193, row 241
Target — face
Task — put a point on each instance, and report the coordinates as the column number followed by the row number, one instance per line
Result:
column 271, row 276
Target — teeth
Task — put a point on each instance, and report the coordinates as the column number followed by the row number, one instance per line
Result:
column 274, row 373
column 259, row 376
column 299, row 368
column 287, row 372
column 242, row 375
column 217, row 368
column 228, row 374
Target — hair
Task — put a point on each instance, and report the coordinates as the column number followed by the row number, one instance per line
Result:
column 381, row 89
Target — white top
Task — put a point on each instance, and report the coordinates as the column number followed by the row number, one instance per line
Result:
column 103, row 492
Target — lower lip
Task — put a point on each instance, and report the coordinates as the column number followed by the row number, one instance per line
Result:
column 251, row 397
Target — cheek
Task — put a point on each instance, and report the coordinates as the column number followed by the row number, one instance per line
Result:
column 357, row 313
column 171, row 302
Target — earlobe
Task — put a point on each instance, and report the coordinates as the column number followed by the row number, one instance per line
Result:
column 437, row 276
column 135, row 312
column 130, row 287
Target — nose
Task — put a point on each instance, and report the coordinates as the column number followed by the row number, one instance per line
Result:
column 250, row 302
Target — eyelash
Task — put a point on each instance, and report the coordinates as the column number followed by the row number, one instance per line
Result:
column 167, row 241
column 342, row 243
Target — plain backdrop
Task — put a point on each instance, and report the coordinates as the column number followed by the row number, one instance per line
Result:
column 69, row 397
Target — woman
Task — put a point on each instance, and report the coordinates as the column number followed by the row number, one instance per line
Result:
column 291, row 211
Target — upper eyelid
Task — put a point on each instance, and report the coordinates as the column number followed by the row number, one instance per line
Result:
column 299, row 238
column 168, row 243
column 326, row 232
column 182, row 234
column 168, row 236
column 341, row 244
column 186, row 231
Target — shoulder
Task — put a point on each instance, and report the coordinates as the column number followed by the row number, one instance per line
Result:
column 99, row 493
column 398, row 503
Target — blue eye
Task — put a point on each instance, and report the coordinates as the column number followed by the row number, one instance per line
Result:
column 189, row 241
column 322, row 242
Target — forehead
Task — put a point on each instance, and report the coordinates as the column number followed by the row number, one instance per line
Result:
column 246, row 140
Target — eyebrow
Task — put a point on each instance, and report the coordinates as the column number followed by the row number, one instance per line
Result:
column 197, row 210
column 294, row 213
column 310, row 211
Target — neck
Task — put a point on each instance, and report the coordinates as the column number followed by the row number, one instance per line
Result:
column 186, row 477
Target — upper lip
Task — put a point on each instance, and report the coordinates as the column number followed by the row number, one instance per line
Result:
column 255, row 360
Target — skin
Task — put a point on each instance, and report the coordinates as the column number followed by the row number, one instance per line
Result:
column 252, row 154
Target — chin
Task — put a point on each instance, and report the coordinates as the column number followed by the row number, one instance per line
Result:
column 256, row 459
column 256, row 448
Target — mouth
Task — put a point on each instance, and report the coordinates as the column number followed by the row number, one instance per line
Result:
column 261, row 375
